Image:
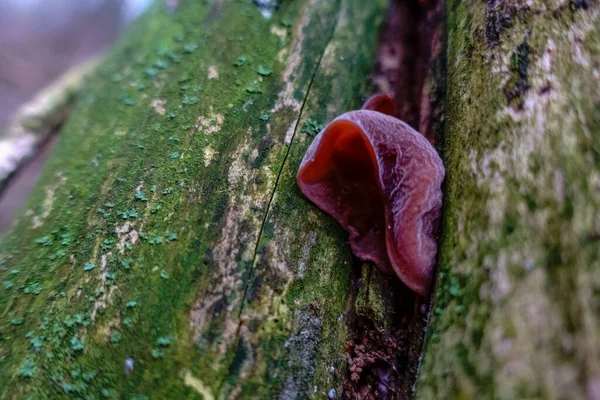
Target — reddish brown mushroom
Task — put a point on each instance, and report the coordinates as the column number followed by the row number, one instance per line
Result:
column 381, row 180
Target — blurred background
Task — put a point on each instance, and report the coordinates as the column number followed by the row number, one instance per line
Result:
column 40, row 40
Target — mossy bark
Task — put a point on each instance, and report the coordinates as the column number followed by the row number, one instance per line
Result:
column 166, row 250
column 516, row 310
column 168, row 253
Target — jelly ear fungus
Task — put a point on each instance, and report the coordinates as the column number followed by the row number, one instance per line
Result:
column 381, row 181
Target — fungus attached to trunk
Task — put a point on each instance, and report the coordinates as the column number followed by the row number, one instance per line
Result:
column 381, row 180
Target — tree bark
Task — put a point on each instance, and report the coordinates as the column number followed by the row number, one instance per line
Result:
column 516, row 308
column 166, row 251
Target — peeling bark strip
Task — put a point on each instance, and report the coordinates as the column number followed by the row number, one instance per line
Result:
column 167, row 262
column 516, row 314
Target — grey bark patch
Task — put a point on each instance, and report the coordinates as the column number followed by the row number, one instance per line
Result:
column 302, row 347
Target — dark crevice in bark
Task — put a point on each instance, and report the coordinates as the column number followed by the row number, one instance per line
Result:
column 409, row 50
column 383, row 354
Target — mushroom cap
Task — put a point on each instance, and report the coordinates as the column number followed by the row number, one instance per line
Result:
column 381, row 181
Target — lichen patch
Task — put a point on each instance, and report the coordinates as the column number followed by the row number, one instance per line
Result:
column 209, row 154
column 303, row 346
column 196, row 384
column 106, row 298
column 239, row 171
column 159, row 106
column 280, row 32
column 103, row 332
column 210, row 123
column 126, row 236
column 311, row 240
column 226, row 277
column 234, row 249
column 48, row 202
column 212, row 72
column 536, row 104
column 277, row 258
column 533, row 323
column 289, row 134
column 294, row 62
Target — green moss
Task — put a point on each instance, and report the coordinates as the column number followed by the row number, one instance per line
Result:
column 177, row 243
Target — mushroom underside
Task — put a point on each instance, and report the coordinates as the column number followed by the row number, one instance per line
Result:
column 343, row 180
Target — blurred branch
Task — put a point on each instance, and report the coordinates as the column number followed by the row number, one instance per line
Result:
column 36, row 119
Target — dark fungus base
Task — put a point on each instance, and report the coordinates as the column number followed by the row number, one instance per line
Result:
column 381, row 180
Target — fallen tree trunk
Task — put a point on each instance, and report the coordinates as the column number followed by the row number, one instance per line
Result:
column 516, row 309
column 167, row 250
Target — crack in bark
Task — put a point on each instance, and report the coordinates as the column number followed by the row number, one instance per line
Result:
column 274, row 191
column 387, row 320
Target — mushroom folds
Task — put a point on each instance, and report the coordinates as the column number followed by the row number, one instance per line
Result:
column 381, row 180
